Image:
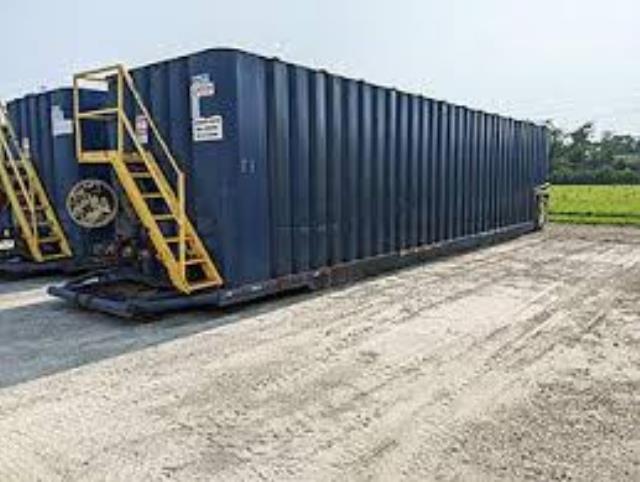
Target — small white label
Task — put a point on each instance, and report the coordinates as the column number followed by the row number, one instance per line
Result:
column 142, row 129
column 205, row 129
column 59, row 125
column 26, row 146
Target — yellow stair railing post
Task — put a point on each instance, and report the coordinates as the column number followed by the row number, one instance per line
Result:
column 32, row 198
column 121, row 114
column 182, row 246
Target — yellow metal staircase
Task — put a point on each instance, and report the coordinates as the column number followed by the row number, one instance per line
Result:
column 37, row 221
column 160, row 207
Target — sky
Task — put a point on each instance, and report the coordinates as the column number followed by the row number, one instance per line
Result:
column 571, row 61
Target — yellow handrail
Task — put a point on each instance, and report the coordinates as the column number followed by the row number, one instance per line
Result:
column 125, row 82
column 180, row 177
column 24, row 190
column 27, row 191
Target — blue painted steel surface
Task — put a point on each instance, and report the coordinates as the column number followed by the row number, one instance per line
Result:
column 44, row 122
column 315, row 170
column 315, row 179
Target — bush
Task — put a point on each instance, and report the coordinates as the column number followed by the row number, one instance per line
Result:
column 603, row 175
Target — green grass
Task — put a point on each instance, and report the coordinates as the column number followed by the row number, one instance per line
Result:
column 619, row 205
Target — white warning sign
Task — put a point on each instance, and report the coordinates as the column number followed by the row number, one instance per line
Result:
column 60, row 126
column 202, row 86
column 205, row 128
column 26, row 146
column 208, row 129
column 142, row 129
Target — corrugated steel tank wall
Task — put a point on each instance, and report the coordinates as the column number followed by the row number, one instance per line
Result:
column 44, row 122
column 315, row 170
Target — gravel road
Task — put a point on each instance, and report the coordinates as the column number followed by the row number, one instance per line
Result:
column 516, row 362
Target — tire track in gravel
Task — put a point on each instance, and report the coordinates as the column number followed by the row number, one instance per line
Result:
column 342, row 317
column 373, row 381
column 584, row 321
column 394, row 375
column 454, row 296
column 481, row 373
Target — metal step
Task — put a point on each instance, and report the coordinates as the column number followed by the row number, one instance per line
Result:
column 48, row 240
column 141, row 175
column 195, row 261
column 176, row 240
column 203, row 285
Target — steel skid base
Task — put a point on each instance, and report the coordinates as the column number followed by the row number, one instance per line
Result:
column 125, row 294
column 15, row 266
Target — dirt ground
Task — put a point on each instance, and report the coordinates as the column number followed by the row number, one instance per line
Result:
column 517, row 362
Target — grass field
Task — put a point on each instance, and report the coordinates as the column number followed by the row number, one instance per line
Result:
column 596, row 204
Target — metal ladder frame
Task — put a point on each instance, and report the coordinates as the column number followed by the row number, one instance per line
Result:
column 29, row 188
column 176, row 201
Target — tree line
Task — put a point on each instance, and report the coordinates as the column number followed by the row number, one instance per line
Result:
column 578, row 157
